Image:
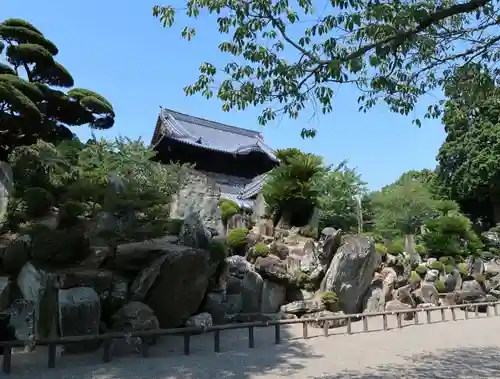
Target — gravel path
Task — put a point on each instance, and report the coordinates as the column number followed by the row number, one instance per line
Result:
column 459, row 349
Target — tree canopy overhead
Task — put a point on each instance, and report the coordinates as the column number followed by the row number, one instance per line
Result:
column 469, row 159
column 393, row 51
column 31, row 106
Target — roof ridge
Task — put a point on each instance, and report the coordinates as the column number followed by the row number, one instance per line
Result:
column 215, row 124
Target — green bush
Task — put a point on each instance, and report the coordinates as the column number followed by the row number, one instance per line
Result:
column 463, row 269
column 447, row 260
column 396, row 247
column 440, row 286
column 420, row 249
column 415, row 277
column 381, row 249
column 237, row 239
column 218, row 250
column 174, row 226
column 38, row 202
column 449, row 268
column 259, row 250
column 228, row 208
column 421, row 270
column 437, row 266
column 329, row 299
column 69, row 213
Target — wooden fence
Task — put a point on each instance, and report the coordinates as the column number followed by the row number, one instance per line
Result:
column 188, row 332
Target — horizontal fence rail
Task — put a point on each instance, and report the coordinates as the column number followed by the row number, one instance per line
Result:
column 188, row 332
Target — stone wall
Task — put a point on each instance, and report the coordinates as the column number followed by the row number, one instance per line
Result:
column 199, row 194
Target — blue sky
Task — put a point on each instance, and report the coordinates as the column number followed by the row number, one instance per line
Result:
column 118, row 49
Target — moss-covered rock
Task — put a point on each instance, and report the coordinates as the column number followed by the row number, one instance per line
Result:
column 440, row 286
column 258, row 250
column 436, row 265
column 330, row 300
column 463, row 269
column 415, row 277
column 228, row 208
column 237, row 240
column 421, row 270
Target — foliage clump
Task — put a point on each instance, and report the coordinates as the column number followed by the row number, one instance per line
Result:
column 237, row 240
column 290, row 191
column 228, row 208
column 436, row 265
column 32, row 105
column 259, row 250
column 330, row 300
column 415, row 277
column 218, row 250
column 421, row 270
column 440, row 286
column 38, row 202
column 381, row 249
column 174, row 226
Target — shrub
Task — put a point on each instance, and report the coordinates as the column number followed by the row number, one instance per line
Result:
column 381, row 249
column 69, row 213
column 38, row 202
column 237, row 239
column 421, row 270
column 447, row 260
column 449, row 268
column 440, row 286
column 228, row 208
column 174, row 226
column 415, row 277
column 463, row 269
column 396, row 247
column 420, row 249
column 329, row 299
column 218, row 250
column 259, row 250
column 437, row 266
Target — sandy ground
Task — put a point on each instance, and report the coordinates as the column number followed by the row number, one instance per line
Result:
column 454, row 349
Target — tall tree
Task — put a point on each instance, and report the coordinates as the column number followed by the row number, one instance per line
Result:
column 31, row 106
column 338, row 192
column 469, row 159
column 393, row 51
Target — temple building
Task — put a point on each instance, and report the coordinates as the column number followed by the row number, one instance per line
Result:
column 236, row 158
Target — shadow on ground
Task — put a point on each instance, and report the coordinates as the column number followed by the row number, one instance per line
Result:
column 446, row 364
column 166, row 360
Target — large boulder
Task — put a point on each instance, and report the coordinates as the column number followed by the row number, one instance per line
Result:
column 175, row 283
column 273, row 269
column 251, row 292
column 79, row 315
column 351, row 272
column 273, row 297
column 193, row 232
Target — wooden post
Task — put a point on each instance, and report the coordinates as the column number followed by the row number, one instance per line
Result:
column 349, row 326
column 365, row 324
column 305, row 335
column 453, row 314
column 476, row 311
column 495, row 309
column 251, row 341
column 7, row 360
column 398, row 318
column 443, row 315
column 326, row 331
column 428, row 313
column 145, row 347
column 416, row 318
column 217, row 341
column 384, row 320
column 277, row 334
column 52, row 355
column 466, row 311
column 106, row 350
column 187, row 344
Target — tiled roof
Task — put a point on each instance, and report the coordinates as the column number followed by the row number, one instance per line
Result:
column 209, row 134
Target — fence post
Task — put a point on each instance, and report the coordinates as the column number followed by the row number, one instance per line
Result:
column 384, row 321
column 349, row 326
column 443, row 315
column 305, row 335
column 277, row 334
column 251, row 341
column 106, row 350
column 52, row 355
column 466, row 311
column 495, row 309
column 217, row 341
column 398, row 318
column 476, row 311
column 416, row 318
column 7, row 359
column 365, row 324
column 453, row 314
column 187, row 344
column 326, row 331
column 428, row 314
